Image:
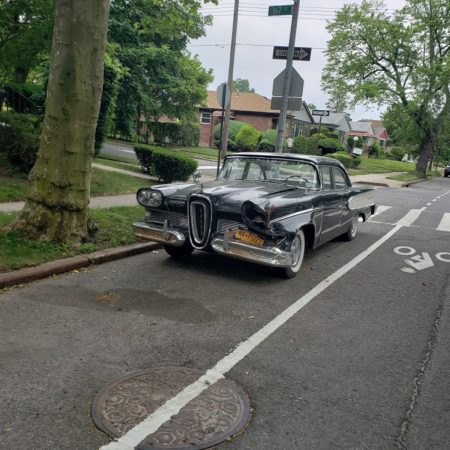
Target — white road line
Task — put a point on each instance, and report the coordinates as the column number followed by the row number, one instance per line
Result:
column 154, row 421
column 445, row 223
column 428, row 204
column 125, row 151
column 380, row 209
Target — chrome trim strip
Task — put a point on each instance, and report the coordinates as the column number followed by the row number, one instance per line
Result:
column 157, row 233
column 267, row 256
column 192, row 221
column 278, row 219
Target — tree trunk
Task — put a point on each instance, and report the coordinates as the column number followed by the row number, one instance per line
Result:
column 57, row 201
column 425, row 153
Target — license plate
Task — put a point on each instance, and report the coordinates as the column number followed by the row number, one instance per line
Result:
column 249, row 237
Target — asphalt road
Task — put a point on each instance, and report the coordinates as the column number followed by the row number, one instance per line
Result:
column 363, row 365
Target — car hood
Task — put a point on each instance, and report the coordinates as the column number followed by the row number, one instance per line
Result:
column 229, row 195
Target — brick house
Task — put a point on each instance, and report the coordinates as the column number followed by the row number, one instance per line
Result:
column 379, row 131
column 253, row 109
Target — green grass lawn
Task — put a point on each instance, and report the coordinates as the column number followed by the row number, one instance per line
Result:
column 370, row 165
column 105, row 161
column 14, row 187
column 114, row 229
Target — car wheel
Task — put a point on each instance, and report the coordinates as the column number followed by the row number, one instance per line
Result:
column 352, row 230
column 178, row 252
column 297, row 252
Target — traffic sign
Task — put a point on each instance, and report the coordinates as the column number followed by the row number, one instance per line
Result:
column 300, row 53
column 294, row 103
column 320, row 112
column 295, row 88
column 285, row 10
column 223, row 95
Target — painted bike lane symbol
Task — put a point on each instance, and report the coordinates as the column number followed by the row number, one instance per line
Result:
column 420, row 261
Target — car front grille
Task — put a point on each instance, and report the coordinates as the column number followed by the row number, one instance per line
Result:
column 224, row 225
column 200, row 218
column 175, row 219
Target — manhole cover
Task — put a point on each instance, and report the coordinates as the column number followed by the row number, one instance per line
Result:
column 216, row 414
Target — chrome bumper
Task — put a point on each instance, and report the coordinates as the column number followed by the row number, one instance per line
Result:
column 159, row 233
column 268, row 256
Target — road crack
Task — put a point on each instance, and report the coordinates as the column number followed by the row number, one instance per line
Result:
column 421, row 371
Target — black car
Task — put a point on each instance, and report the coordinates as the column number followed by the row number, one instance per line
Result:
column 447, row 171
column 263, row 207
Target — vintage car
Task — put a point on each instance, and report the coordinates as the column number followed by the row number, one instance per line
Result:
column 263, row 207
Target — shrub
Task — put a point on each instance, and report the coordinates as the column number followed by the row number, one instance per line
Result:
column 397, row 153
column 268, row 141
column 347, row 160
column 233, row 129
column 19, row 138
column 376, row 151
column 330, row 145
column 248, row 138
column 167, row 165
column 306, row 145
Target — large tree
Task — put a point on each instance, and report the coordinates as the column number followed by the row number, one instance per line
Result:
column 160, row 76
column 56, row 207
column 401, row 59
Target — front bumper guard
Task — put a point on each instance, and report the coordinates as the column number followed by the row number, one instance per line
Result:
column 267, row 256
column 157, row 232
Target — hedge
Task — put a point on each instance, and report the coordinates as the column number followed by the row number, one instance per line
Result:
column 330, row 145
column 397, row 153
column 268, row 141
column 233, row 129
column 248, row 138
column 347, row 160
column 167, row 165
column 19, row 138
column 306, row 145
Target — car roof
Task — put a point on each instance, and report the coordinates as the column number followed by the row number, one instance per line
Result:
column 310, row 158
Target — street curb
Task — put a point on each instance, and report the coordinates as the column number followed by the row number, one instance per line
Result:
column 371, row 183
column 59, row 266
column 409, row 183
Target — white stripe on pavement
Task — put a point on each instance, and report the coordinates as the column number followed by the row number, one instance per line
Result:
column 172, row 407
column 445, row 223
column 381, row 209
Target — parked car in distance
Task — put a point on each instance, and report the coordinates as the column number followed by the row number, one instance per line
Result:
column 263, row 207
column 447, row 170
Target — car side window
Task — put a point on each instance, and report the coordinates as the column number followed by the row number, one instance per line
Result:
column 340, row 180
column 325, row 172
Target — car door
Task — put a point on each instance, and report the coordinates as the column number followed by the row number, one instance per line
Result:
column 342, row 186
column 332, row 204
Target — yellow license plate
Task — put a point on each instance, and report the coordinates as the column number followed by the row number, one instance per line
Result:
column 249, row 237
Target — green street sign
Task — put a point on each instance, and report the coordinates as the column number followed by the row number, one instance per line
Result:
column 285, row 10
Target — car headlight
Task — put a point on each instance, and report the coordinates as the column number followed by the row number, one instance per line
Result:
column 149, row 197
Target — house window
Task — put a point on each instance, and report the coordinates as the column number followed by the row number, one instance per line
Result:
column 298, row 129
column 205, row 117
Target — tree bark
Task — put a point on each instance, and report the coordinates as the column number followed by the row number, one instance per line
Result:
column 425, row 153
column 57, row 201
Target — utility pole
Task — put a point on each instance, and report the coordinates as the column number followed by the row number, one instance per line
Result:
column 287, row 78
column 224, row 143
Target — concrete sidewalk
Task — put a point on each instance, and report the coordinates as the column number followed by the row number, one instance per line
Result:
column 111, row 201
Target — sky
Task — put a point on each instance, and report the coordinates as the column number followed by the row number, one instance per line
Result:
column 257, row 34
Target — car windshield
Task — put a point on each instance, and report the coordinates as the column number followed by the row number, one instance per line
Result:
column 296, row 173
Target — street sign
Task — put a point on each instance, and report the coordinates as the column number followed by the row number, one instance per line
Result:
column 285, row 10
column 294, row 103
column 221, row 90
column 295, row 88
column 300, row 53
column 320, row 112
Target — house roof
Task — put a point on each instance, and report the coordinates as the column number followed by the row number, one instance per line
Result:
column 339, row 120
column 378, row 128
column 242, row 101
